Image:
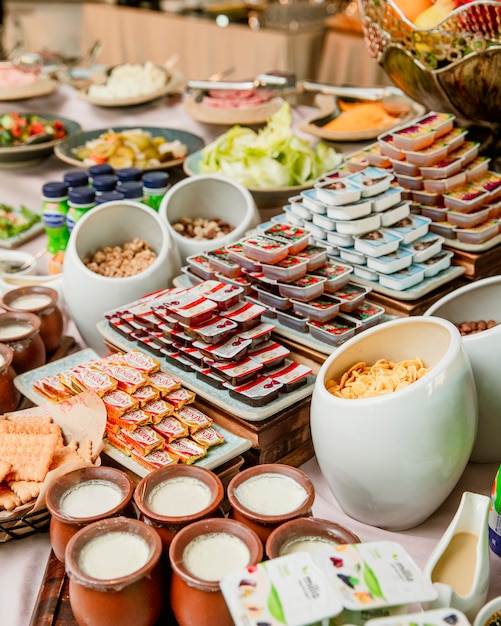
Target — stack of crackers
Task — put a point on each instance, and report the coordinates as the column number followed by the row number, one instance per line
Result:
column 30, row 448
column 150, row 416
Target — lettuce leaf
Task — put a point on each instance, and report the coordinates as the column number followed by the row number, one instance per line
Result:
column 271, row 157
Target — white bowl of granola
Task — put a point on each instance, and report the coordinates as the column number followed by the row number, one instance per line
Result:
column 217, row 202
column 117, row 253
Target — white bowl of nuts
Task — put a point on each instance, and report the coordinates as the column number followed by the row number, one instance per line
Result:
column 207, row 211
column 474, row 309
column 118, row 252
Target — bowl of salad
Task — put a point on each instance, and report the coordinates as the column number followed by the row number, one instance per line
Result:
column 273, row 163
column 26, row 138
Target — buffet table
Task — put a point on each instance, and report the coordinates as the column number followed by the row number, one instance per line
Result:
column 23, row 561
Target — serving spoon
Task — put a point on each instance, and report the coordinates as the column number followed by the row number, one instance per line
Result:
column 394, row 101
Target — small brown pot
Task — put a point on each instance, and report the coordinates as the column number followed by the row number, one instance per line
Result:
column 63, row 526
column 9, row 394
column 51, row 318
column 263, row 524
column 303, row 528
column 135, row 599
column 25, row 340
column 168, row 526
column 198, row 602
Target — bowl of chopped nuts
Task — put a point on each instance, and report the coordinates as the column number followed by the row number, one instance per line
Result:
column 474, row 309
column 393, row 420
column 118, row 252
column 207, row 211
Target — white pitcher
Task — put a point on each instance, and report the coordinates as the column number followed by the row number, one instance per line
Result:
column 459, row 566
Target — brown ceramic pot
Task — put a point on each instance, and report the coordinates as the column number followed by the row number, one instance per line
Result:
column 133, row 599
column 21, row 332
column 199, row 602
column 9, row 394
column 306, row 528
column 263, row 524
column 42, row 301
column 64, row 526
column 168, row 525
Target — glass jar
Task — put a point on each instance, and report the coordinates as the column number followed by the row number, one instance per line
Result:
column 114, row 574
column 9, row 394
column 42, row 301
column 107, row 492
column 21, row 332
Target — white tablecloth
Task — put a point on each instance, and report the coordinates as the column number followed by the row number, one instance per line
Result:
column 22, row 562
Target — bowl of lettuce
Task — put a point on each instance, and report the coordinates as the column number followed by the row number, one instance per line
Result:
column 272, row 162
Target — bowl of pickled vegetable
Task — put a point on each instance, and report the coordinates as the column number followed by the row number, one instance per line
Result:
column 20, row 133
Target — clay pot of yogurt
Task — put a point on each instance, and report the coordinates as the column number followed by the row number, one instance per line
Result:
column 115, row 574
column 42, row 301
column 173, row 497
column 201, row 554
column 265, row 496
column 83, row 497
column 21, row 332
column 307, row 534
column 9, row 394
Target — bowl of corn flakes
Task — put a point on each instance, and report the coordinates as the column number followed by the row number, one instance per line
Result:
column 393, row 420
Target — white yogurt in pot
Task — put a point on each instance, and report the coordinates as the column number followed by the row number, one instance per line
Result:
column 179, row 497
column 271, row 494
column 113, row 555
column 212, row 556
column 91, row 498
column 31, row 301
column 15, row 329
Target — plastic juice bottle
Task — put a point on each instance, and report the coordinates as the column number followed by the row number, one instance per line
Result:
column 495, row 515
column 132, row 190
column 54, row 215
column 100, row 170
column 80, row 201
column 104, row 183
column 155, row 185
column 76, row 178
column 109, row 196
column 128, row 174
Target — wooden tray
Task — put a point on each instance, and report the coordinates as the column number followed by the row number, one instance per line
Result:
column 52, row 607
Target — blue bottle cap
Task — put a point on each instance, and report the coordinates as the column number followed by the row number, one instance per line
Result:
column 109, row 196
column 131, row 189
column 155, row 180
column 106, row 182
column 100, row 170
column 55, row 190
column 127, row 174
column 82, row 195
column 77, row 178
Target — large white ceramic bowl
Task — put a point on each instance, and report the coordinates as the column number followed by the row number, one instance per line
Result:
column 209, row 196
column 89, row 295
column 480, row 300
column 391, row 460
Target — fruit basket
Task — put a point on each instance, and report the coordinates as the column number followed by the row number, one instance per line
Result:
column 454, row 66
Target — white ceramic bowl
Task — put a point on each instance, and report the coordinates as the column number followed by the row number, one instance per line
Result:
column 210, row 196
column 475, row 301
column 16, row 256
column 89, row 295
column 485, row 615
column 392, row 460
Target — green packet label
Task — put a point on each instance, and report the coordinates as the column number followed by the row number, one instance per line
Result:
column 305, row 588
column 435, row 617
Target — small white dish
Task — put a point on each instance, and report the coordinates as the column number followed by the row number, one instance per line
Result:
column 377, row 243
column 338, row 191
column 391, row 263
column 323, row 221
column 403, row 279
column 425, row 247
column 310, row 200
column 339, row 239
column 360, row 226
column 486, row 615
column 411, row 227
column 351, row 211
column 395, row 214
column 372, row 181
column 437, row 263
column 387, row 199
column 350, row 255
